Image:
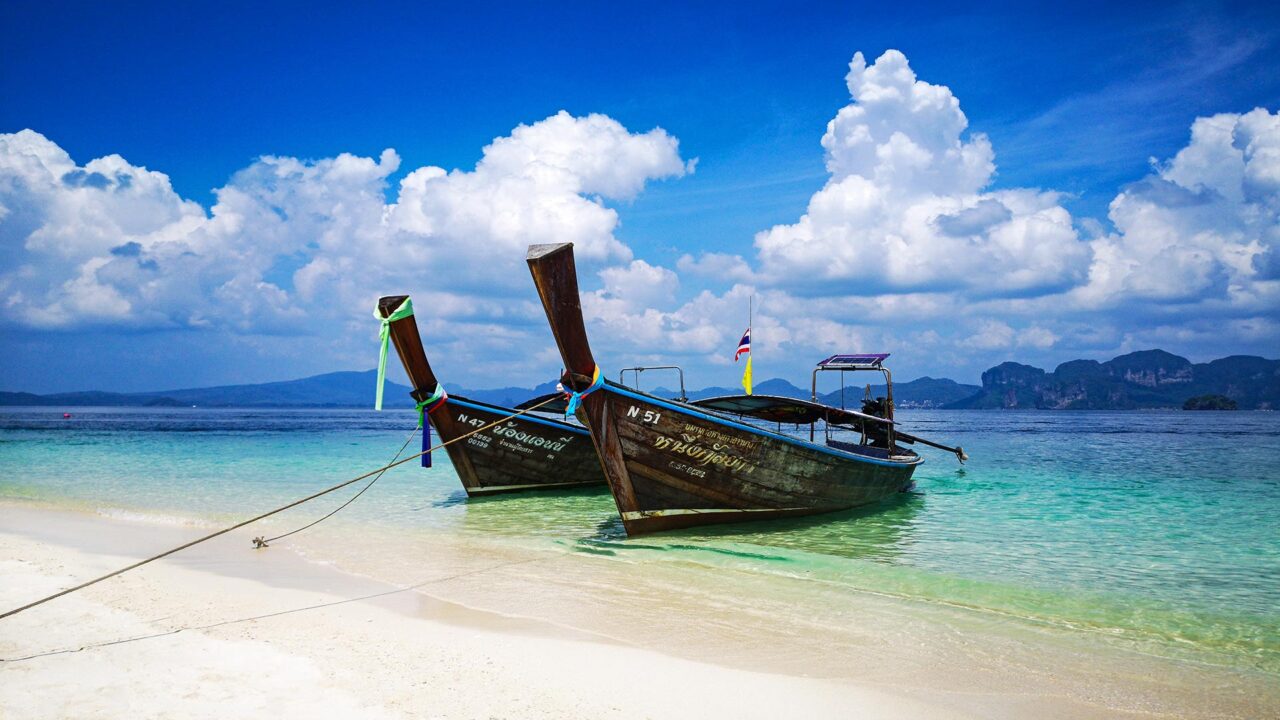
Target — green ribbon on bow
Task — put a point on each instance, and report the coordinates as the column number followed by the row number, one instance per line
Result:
column 430, row 404
column 405, row 310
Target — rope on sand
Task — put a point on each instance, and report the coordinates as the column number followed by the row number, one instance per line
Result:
column 268, row 514
column 260, row 542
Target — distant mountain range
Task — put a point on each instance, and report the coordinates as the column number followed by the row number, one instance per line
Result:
column 356, row 389
column 339, row 389
column 1147, row 379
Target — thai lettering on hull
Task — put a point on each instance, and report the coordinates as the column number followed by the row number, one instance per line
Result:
column 513, row 438
column 702, row 456
column 696, row 447
column 511, row 431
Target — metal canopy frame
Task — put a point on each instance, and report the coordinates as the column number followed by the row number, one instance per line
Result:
column 684, row 397
column 855, row 362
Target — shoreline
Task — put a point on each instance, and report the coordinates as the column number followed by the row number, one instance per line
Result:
column 241, row 626
column 903, row 664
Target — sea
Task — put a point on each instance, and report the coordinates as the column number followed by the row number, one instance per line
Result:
column 1148, row 530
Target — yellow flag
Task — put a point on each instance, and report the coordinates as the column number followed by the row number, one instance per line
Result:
column 746, row 376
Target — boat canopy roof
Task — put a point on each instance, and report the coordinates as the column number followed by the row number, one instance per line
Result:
column 857, row 361
column 784, row 409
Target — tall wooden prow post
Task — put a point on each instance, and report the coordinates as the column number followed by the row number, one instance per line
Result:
column 408, row 344
column 555, row 275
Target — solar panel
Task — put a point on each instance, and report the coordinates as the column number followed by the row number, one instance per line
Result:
column 859, row 361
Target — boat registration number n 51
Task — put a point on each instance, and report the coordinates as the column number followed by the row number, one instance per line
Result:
column 648, row 417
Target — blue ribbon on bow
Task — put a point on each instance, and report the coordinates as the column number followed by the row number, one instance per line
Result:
column 424, row 408
column 575, row 397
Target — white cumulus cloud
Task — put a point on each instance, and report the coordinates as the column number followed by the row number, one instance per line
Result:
column 1203, row 229
column 904, row 208
column 112, row 243
column 907, row 248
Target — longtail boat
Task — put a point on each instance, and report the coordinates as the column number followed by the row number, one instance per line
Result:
column 672, row 464
column 526, row 452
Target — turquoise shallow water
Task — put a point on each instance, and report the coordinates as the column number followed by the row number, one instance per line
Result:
column 1160, row 529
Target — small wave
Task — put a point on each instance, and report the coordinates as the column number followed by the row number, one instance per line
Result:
column 598, row 546
column 152, row 518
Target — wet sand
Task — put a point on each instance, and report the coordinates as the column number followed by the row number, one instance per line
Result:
column 429, row 629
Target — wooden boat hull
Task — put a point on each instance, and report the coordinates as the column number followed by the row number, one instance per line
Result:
column 521, row 453
column 670, row 466
column 526, row 452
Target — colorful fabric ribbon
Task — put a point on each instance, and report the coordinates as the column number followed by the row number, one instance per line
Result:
column 400, row 313
column 575, row 397
column 430, row 404
column 424, row 408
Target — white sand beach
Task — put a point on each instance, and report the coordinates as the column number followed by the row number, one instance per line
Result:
column 223, row 631
column 261, row 650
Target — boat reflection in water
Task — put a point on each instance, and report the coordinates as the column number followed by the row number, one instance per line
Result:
column 552, row 514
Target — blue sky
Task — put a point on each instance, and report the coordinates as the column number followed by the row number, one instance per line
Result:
column 1076, row 101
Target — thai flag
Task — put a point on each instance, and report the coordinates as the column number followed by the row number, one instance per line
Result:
column 744, row 345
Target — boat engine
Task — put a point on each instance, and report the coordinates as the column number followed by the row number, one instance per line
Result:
column 875, row 433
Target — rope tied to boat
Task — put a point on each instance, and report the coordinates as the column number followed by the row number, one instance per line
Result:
column 384, row 335
column 575, row 396
column 430, row 405
column 269, row 513
column 262, row 542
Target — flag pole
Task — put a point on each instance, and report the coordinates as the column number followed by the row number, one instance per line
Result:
column 747, row 379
